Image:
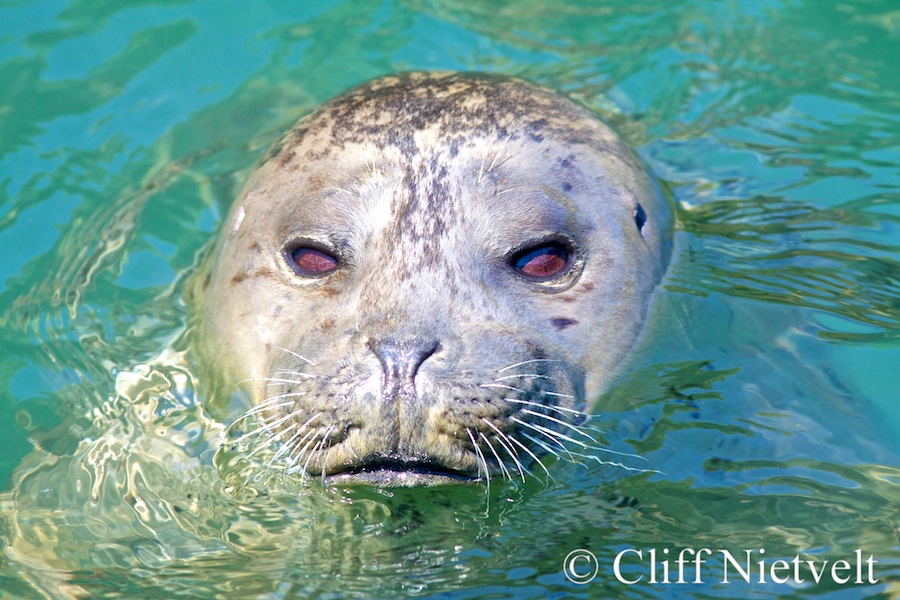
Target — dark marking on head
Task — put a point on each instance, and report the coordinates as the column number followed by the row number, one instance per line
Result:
column 458, row 106
column 561, row 323
column 566, row 186
column 534, row 129
column 206, row 281
column 244, row 275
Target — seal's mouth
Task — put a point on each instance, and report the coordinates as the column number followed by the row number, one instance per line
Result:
column 392, row 472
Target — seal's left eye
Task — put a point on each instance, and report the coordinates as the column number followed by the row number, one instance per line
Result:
column 311, row 262
column 543, row 262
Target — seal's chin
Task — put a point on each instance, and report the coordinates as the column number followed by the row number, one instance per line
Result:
column 394, row 473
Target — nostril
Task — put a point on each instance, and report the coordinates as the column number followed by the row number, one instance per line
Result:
column 402, row 358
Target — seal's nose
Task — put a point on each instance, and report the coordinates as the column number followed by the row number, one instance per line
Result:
column 401, row 359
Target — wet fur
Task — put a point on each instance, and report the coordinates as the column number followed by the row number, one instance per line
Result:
column 423, row 185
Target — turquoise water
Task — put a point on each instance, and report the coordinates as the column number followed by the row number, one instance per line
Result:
column 763, row 397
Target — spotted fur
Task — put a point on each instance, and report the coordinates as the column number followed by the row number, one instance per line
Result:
column 425, row 357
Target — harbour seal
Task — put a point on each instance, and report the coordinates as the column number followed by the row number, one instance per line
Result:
column 428, row 278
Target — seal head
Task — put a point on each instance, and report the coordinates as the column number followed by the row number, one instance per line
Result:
column 426, row 279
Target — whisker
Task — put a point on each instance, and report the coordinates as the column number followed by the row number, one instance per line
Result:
column 296, row 452
column 340, row 189
column 272, row 439
column 316, row 449
column 297, row 373
column 549, row 407
column 482, row 461
column 542, row 445
column 551, row 435
column 269, row 404
column 282, row 396
column 525, row 362
column 557, row 394
column 509, row 450
column 499, row 152
column 555, row 435
column 596, row 448
column 266, row 426
column 324, row 441
column 254, row 411
column 277, row 380
column 559, row 422
column 497, row 456
column 528, row 375
column 308, row 421
column 516, row 189
column 502, row 387
column 303, row 358
column 273, row 379
column 296, row 458
column 286, row 447
column 532, row 454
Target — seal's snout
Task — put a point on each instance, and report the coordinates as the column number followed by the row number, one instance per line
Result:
column 402, row 358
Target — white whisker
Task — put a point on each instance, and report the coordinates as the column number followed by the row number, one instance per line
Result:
column 286, row 446
column 500, row 386
column 549, row 434
column 482, row 461
column 303, row 358
column 552, row 434
column 528, row 375
column 497, row 456
column 525, row 362
column 262, row 408
column 499, row 152
column 557, row 394
column 509, row 449
column 532, row 454
column 542, row 445
column 270, row 379
column 517, row 188
column 549, row 407
column 266, row 426
column 559, row 422
column 297, row 373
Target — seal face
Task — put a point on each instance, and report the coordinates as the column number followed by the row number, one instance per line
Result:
column 427, row 277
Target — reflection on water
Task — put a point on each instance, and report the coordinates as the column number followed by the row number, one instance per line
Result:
column 835, row 260
column 761, row 397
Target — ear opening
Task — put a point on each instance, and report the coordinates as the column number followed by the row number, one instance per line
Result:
column 640, row 218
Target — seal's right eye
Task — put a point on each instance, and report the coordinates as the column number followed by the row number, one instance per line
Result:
column 311, row 262
column 543, row 263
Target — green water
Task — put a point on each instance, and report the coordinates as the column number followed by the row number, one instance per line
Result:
column 763, row 395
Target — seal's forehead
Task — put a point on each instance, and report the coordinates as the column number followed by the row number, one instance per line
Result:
column 455, row 107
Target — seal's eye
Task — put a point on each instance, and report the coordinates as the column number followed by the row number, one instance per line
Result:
column 543, row 262
column 311, row 262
